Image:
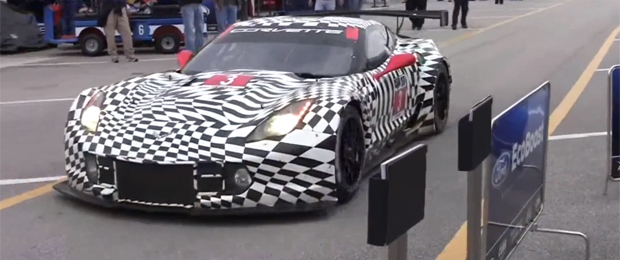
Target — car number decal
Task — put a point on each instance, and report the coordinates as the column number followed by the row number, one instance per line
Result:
column 401, row 94
column 228, row 80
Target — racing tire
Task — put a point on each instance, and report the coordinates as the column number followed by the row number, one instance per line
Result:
column 168, row 43
column 92, row 44
column 350, row 154
column 441, row 99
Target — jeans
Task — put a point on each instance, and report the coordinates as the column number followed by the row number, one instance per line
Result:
column 226, row 16
column 193, row 26
column 325, row 5
column 355, row 5
column 68, row 17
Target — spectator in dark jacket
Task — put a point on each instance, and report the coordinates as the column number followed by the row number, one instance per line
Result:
column 193, row 23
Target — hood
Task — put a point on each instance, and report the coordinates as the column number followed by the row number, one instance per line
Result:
column 223, row 97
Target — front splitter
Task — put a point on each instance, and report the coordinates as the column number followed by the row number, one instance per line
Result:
column 64, row 188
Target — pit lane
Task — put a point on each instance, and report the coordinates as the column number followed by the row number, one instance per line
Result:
column 506, row 61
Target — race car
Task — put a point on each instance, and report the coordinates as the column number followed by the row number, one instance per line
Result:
column 276, row 114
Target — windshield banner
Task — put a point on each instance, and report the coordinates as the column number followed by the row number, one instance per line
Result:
column 518, row 160
column 614, row 84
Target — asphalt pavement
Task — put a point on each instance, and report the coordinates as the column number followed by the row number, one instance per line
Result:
column 509, row 50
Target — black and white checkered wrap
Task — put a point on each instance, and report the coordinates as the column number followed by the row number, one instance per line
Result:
column 211, row 124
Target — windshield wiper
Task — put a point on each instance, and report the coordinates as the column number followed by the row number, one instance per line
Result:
column 307, row 75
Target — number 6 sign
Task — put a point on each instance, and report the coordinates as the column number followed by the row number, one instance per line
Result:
column 228, row 80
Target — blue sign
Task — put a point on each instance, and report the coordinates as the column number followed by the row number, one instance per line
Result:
column 518, row 159
column 614, row 84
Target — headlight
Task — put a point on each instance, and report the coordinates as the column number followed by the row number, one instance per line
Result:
column 282, row 122
column 91, row 112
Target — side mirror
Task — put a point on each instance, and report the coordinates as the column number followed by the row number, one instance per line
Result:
column 397, row 61
column 183, row 57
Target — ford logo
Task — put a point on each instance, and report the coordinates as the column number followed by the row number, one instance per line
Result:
column 501, row 169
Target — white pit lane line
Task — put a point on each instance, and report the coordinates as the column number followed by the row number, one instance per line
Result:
column 30, row 180
column 86, row 62
column 576, row 136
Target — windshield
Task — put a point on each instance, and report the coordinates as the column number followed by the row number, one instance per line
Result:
column 291, row 50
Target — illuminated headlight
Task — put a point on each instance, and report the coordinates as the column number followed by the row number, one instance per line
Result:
column 282, row 122
column 91, row 112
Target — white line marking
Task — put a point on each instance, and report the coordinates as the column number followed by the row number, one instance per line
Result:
column 29, row 180
column 504, row 10
column 617, row 40
column 21, row 102
column 7, row 62
column 492, row 17
column 447, row 29
column 576, row 136
column 83, row 63
column 601, row 70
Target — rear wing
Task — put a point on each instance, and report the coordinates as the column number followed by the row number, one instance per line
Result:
column 441, row 15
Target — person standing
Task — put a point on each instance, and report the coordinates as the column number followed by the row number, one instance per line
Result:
column 501, row 2
column 416, row 5
column 226, row 13
column 69, row 8
column 117, row 19
column 324, row 5
column 355, row 5
column 463, row 7
column 193, row 24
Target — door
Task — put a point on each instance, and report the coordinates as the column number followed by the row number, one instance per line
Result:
column 394, row 90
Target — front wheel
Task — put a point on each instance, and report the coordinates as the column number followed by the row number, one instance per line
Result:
column 441, row 99
column 350, row 154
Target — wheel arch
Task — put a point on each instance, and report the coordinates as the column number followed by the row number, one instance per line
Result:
column 91, row 30
column 447, row 66
column 166, row 29
column 363, row 113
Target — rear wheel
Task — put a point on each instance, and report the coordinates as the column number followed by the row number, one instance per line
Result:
column 441, row 99
column 350, row 154
column 168, row 43
column 92, row 44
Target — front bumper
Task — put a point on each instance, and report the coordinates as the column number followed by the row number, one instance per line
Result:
column 293, row 173
column 65, row 189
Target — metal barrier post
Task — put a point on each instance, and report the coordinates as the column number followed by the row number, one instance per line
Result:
column 397, row 250
column 474, row 213
column 474, row 146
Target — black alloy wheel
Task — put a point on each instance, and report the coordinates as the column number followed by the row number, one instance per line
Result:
column 441, row 100
column 350, row 154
